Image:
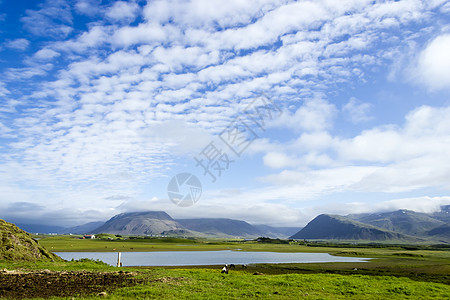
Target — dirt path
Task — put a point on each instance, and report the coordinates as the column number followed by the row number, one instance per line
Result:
column 45, row 283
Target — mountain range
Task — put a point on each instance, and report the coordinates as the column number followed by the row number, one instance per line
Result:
column 157, row 223
column 160, row 223
column 400, row 225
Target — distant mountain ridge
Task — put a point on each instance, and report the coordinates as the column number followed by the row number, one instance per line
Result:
column 333, row 227
column 142, row 223
column 278, row 232
column 82, row 229
column 221, row 227
column 404, row 225
column 160, row 223
column 400, row 225
column 403, row 221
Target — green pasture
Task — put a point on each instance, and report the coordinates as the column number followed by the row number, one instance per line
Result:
column 394, row 272
column 210, row 284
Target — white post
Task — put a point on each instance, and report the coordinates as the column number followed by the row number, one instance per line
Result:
column 119, row 255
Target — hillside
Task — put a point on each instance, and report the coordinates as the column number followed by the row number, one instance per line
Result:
column 341, row 228
column 39, row 228
column 442, row 233
column 402, row 221
column 443, row 214
column 143, row 223
column 18, row 245
column 221, row 227
column 82, row 229
column 277, row 232
column 160, row 223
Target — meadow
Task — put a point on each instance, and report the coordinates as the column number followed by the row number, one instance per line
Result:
column 396, row 272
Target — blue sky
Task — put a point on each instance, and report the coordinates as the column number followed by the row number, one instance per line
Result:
column 102, row 102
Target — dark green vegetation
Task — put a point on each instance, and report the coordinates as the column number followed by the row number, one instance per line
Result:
column 402, row 225
column 18, row 245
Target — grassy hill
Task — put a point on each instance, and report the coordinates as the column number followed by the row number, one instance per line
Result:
column 18, row 245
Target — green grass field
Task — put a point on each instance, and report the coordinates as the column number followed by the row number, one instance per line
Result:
column 396, row 272
column 200, row 284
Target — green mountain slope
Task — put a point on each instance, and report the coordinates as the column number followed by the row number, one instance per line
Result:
column 18, row 245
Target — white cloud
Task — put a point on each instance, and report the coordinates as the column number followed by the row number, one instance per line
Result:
column 445, row 8
column 357, row 111
column 424, row 133
column 433, row 66
column 87, row 7
column 18, row 44
column 46, row 54
column 144, row 33
column 207, row 13
column 53, row 19
column 3, row 90
column 391, row 159
column 313, row 115
column 87, row 41
column 418, row 204
column 278, row 160
column 123, row 11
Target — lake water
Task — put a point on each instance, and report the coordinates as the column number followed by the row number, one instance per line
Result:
column 191, row 258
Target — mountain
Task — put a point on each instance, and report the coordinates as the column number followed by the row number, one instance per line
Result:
column 277, row 232
column 442, row 233
column 160, row 223
column 221, row 227
column 342, row 228
column 143, row 223
column 18, row 245
column 402, row 221
column 82, row 229
column 38, row 228
column 443, row 214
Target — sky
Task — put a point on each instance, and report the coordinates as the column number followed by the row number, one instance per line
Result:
column 281, row 109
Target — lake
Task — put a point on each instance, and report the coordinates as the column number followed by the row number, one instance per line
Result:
column 192, row 258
